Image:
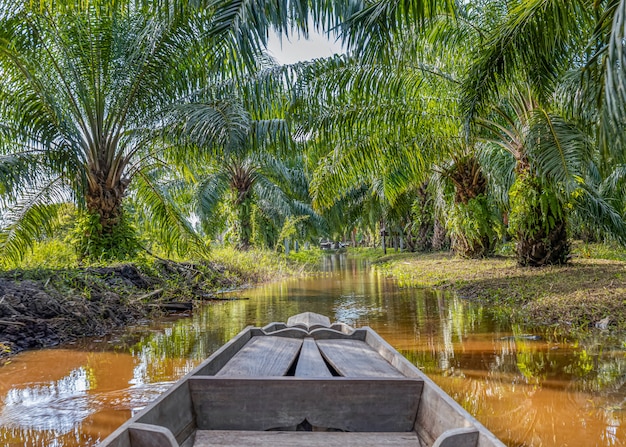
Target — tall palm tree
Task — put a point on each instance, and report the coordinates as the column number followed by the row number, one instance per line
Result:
column 390, row 117
column 87, row 104
column 550, row 170
column 86, row 90
column 247, row 182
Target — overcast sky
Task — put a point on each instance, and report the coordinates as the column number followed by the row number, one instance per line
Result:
column 301, row 50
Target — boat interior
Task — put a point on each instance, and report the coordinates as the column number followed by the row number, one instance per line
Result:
column 306, row 382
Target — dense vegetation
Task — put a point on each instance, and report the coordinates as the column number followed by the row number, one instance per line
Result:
column 164, row 127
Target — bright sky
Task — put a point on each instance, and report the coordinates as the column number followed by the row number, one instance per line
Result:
column 301, row 50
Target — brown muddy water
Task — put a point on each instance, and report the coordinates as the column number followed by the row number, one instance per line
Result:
column 530, row 389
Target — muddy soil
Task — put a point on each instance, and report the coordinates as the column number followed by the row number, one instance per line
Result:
column 46, row 308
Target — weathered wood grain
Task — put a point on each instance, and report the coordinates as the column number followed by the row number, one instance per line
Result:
column 221, row 438
column 342, row 327
column 328, row 333
column 173, row 410
column 359, row 405
column 219, row 358
column 459, row 437
column 310, row 362
column 354, row 358
column 437, row 414
column 309, row 321
column 288, row 332
column 263, row 356
column 146, row 435
column 275, row 326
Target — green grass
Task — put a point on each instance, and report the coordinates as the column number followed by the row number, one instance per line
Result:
column 52, row 254
column 54, row 263
column 572, row 297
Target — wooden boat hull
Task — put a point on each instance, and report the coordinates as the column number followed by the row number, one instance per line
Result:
column 306, row 382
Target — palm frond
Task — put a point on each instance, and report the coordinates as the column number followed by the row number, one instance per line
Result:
column 31, row 217
column 167, row 221
column 533, row 40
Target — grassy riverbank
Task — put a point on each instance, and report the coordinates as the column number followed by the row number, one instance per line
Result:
column 588, row 292
column 49, row 300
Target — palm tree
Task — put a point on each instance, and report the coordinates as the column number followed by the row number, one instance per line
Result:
column 87, row 105
column 249, row 182
column 388, row 118
column 550, row 167
column 568, row 52
column 86, row 90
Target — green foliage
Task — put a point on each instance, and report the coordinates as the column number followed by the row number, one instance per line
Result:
column 535, row 207
column 311, row 257
column 264, row 230
column 51, row 253
column 537, row 221
column 369, row 253
column 252, row 266
column 91, row 242
column 474, row 227
column 599, row 251
column 289, row 231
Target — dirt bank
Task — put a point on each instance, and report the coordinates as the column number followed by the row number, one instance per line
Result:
column 44, row 308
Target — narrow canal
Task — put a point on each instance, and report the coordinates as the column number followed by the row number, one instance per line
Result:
column 529, row 389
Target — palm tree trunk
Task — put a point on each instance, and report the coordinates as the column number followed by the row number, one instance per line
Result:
column 540, row 230
column 440, row 239
column 244, row 221
column 470, row 187
column 106, row 202
column 105, row 234
column 544, row 248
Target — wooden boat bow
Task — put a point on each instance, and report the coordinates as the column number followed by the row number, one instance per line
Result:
column 304, row 382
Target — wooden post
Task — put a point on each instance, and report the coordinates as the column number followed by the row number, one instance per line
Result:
column 383, row 242
column 296, row 246
column 286, row 247
column 383, row 233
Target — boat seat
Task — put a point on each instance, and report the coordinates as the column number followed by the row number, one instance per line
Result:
column 355, row 358
column 253, row 359
column 310, row 361
column 219, row 438
column 346, row 404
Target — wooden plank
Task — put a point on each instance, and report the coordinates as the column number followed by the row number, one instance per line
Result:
column 172, row 410
column 309, row 320
column 219, row 358
column 275, row 326
column 354, row 358
column 459, row 437
column 264, row 403
column 263, row 356
column 439, row 415
column 328, row 333
column 147, row 435
column 310, row 362
column 290, row 332
column 220, row 438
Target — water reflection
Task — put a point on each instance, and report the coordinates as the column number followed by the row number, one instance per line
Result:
column 529, row 389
